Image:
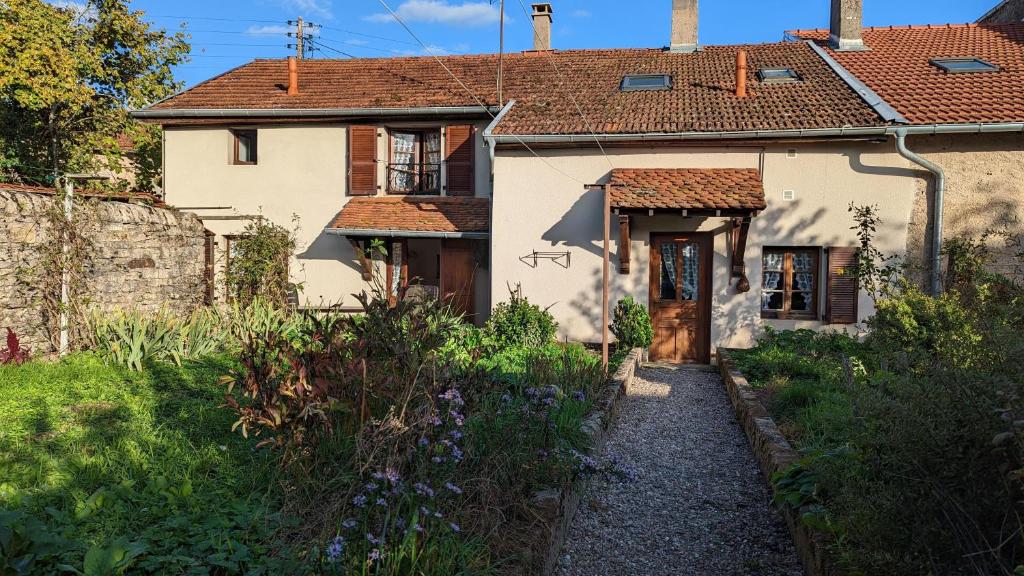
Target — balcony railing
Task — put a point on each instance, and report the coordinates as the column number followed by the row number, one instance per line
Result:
column 414, row 178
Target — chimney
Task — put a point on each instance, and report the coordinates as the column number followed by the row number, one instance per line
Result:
column 542, row 26
column 684, row 26
column 847, row 24
column 741, row 74
column 293, row 76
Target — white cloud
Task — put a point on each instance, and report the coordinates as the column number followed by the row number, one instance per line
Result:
column 580, row 13
column 442, row 12
column 317, row 8
column 357, row 42
column 269, row 30
column 431, row 50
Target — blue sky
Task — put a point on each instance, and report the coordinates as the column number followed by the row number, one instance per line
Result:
column 226, row 33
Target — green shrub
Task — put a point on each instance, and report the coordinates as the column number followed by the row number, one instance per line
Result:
column 258, row 263
column 520, row 323
column 631, row 324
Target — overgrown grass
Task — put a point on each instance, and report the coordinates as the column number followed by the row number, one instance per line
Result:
column 102, row 454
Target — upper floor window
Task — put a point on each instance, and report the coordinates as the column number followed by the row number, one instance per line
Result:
column 638, row 82
column 415, row 163
column 244, row 146
column 790, row 283
column 961, row 65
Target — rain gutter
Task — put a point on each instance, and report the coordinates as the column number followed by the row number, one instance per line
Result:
column 377, row 233
column 149, row 113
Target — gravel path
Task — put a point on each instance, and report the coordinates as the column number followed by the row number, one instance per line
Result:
column 699, row 505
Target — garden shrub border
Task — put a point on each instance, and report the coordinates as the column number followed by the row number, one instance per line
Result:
column 556, row 506
column 774, row 454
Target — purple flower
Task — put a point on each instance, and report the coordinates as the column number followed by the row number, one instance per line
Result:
column 336, row 548
column 377, row 476
column 417, row 527
column 437, row 459
column 456, row 453
column 452, row 487
column 453, row 397
column 454, row 527
column 456, row 435
column 373, row 539
column 382, row 502
column 370, row 486
column 359, row 500
column 506, row 398
column 423, row 490
column 424, row 442
column 374, row 555
column 549, row 401
column 349, row 524
column 392, row 475
column 434, row 420
column 400, row 523
column 579, row 396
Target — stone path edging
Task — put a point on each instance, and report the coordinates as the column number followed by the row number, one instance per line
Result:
column 774, row 454
column 558, row 507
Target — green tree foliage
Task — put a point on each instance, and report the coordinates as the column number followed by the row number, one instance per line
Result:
column 631, row 324
column 68, row 78
column 258, row 264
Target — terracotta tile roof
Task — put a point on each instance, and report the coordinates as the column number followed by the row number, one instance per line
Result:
column 687, row 188
column 414, row 214
column 702, row 98
column 898, row 68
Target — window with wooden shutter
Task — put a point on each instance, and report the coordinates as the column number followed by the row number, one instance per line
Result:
column 842, row 288
column 459, row 160
column 362, row 160
column 789, row 283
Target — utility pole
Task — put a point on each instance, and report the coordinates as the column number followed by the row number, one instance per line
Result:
column 501, row 50
column 300, row 36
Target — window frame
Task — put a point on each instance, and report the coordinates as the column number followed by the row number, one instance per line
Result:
column 791, row 75
column 943, row 64
column 625, row 86
column 253, row 134
column 420, row 152
column 787, row 283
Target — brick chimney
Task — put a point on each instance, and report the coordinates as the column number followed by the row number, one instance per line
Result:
column 684, row 26
column 293, row 76
column 542, row 26
column 847, row 25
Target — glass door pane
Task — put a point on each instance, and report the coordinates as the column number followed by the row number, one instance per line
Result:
column 690, row 280
column 667, row 283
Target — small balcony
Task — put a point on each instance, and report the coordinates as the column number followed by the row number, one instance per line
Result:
column 414, row 179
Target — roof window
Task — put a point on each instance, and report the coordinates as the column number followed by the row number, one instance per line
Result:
column 638, row 82
column 777, row 75
column 962, row 65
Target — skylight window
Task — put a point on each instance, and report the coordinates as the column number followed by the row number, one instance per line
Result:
column 637, row 82
column 963, row 65
column 777, row 75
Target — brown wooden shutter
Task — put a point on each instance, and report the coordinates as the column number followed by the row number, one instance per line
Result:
column 842, row 286
column 459, row 159
column 362, row 160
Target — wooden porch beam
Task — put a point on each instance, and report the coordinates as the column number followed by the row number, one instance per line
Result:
column 364, row 259
column 740, row 230
column 624, row 244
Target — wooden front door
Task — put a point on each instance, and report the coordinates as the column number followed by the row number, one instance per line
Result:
column 680, row 298
column 458, row 276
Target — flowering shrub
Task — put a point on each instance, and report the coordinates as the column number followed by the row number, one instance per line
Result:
column 520, row 323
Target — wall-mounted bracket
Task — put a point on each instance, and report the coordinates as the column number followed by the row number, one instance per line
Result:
column 563, row 259
column 740, row 230
column 362, row 254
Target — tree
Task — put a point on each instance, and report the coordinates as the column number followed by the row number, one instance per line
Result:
column 69, row 77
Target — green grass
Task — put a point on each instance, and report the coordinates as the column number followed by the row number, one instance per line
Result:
column 99, row 453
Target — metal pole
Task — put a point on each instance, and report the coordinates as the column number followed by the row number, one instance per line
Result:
column 605, row 277
column 65, row 273
column 299, row 37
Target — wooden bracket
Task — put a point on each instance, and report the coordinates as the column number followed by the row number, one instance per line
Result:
column 624, row 244
column 740, row 230
column 364, row 259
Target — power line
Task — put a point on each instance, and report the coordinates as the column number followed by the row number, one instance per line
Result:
column 320, row 44
column 471, row 93
column 551, row 59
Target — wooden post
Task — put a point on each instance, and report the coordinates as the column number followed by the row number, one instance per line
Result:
column 605, row 277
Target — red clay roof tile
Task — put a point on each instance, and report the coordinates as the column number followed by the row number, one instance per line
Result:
column 687, row 188
column 898, row 67
column 702, row 98
column 414, row 214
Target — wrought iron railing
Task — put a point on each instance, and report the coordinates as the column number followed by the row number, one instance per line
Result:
column 414, row 178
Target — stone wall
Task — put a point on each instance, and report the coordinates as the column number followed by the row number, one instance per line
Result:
column 143, row 257
column 984, row 189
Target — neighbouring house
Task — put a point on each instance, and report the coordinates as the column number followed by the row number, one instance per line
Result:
column 1005, row 12
column 726, row 171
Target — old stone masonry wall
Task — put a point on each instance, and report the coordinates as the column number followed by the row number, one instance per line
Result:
column 142, row 257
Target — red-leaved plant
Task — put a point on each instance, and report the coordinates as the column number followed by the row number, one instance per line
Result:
column 15, row 353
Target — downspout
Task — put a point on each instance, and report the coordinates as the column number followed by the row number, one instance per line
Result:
column 940, row 190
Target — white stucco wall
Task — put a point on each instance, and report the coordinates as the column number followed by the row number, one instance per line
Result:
column 538, row 208
column 301, row 171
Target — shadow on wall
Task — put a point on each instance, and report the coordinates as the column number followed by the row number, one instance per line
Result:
column 578, row 222
column 333, row 248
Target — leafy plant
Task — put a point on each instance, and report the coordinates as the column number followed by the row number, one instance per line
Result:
column 14, row 353
column 631, row 324
column 520, row 323
column 257, row 267
column 135, row 338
